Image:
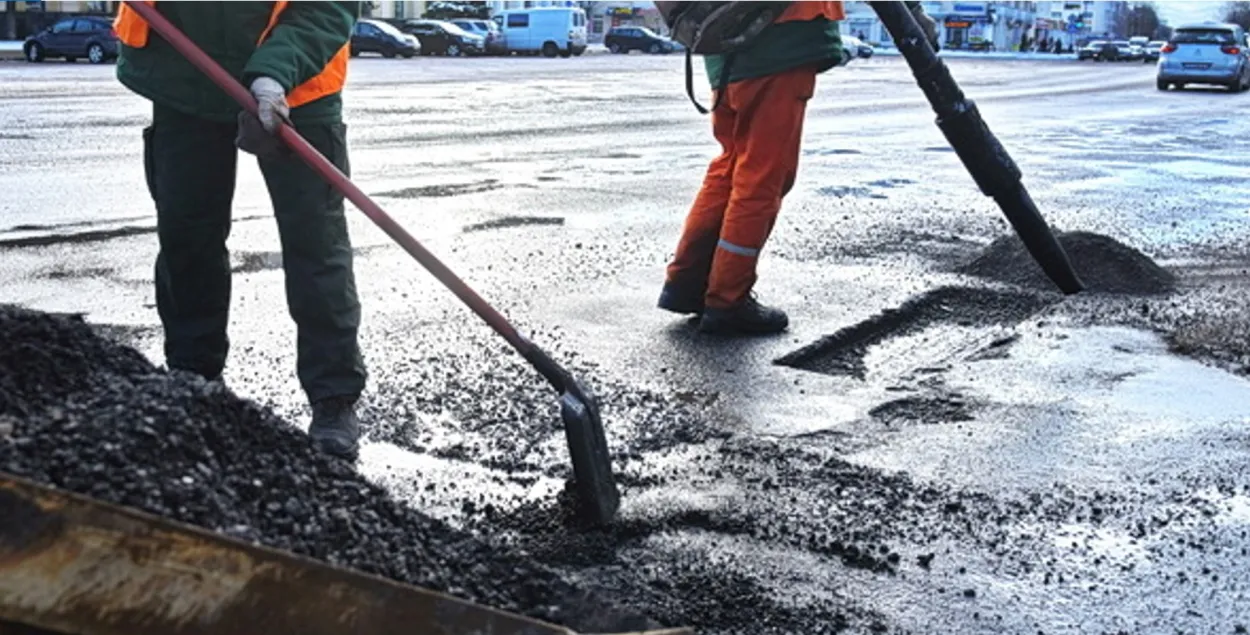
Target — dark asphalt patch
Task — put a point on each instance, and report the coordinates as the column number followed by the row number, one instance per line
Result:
column 74, row 238
column 89, row 416
column 1105, row 264
column 925, row 409
column 66, row 273
column 513, row 221
column 843, row 352
column 443, row 191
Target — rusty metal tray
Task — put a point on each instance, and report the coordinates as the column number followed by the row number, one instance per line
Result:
column 74, row 565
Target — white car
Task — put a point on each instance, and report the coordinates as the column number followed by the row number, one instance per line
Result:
column 856, row 47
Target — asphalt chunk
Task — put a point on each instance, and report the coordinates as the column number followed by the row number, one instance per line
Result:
column 1105, row 264
column 88, row 415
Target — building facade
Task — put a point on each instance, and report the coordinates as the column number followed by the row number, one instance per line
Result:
column 1000, row 26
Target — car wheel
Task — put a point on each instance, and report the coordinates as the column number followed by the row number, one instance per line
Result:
column 614, row 48
column 654, row 49
column 355, row 53
column 95, row 54
column 34, row 52
column 388, row 54
column 1161, row 85
column 453, row 50
column 550, row 49
column 70, row 59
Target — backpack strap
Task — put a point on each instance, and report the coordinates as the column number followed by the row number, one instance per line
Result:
column 722, row 82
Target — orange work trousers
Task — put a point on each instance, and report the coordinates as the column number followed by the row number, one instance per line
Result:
column 759, row 125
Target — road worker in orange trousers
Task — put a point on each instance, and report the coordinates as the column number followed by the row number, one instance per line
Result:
column 759, row 125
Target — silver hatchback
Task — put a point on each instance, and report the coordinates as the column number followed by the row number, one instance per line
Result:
column 1207, row 53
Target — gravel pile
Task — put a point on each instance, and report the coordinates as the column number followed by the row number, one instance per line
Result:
column 90, row 416
column 1105, row 264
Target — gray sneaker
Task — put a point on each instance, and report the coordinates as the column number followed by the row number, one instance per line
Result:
column 335, row 429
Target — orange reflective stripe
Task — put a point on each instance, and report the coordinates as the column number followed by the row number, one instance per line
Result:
column 278, row 7
column 328, row 82
column 805, row 11
column 130, row 28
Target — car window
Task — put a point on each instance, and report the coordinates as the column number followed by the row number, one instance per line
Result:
column 387, row 29
column 84, row 26
column 518, row 20
column 1204, row 36
column 64, row 26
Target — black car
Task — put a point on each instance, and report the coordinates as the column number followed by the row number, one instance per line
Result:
column 495, row 42
column 623, row 39
column 72, row 38
column 373, row 36
column 444, row 38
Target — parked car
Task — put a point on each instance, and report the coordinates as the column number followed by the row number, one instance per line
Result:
column 624, row 39
column 1125, row 52
column 1137, row 45
column 856, row 47
column 1093, row 51
column 444, row 38
column 548, row 30
column 495, row 43
column 1207, row 53
column 375, row 36
column 1152, row 50
column 72, row 38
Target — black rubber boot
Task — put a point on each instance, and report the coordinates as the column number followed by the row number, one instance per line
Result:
column 335, row 429
column 748, row 318
column 680, row 300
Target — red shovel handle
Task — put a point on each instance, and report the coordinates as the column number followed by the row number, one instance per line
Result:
column 333, row 176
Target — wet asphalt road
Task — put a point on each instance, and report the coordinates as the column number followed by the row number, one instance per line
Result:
column 1060, row 467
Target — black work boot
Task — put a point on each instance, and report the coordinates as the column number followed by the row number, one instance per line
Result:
column 747, row 318
column 680, row 300
column 335, row 429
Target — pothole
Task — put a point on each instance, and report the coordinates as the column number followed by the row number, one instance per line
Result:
column 970, row 311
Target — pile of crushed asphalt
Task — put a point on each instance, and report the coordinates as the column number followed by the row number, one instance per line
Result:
column 94, row 417
column 1105, row 264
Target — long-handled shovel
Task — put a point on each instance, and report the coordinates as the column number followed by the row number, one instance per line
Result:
column 986, row 159
column 597, row 495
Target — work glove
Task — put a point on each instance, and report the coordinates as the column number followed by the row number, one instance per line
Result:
column 271, row 103
column 256, row 132
column 927, row 24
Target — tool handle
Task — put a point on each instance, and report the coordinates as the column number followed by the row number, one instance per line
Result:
column 336, row 179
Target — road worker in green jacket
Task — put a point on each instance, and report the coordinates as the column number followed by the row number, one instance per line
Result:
column 293, row 57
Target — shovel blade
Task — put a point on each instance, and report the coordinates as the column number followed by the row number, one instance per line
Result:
column 597, row 496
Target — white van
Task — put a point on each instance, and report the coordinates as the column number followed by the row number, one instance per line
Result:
column 548, row 30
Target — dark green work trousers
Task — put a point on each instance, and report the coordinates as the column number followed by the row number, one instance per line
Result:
column 190, row 164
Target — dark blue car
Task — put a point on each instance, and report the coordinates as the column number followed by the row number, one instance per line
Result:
column 69, row 39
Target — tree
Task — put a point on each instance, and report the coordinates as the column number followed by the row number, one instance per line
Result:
column 1140, row 19
column 1237, row 13
column 10, row 20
